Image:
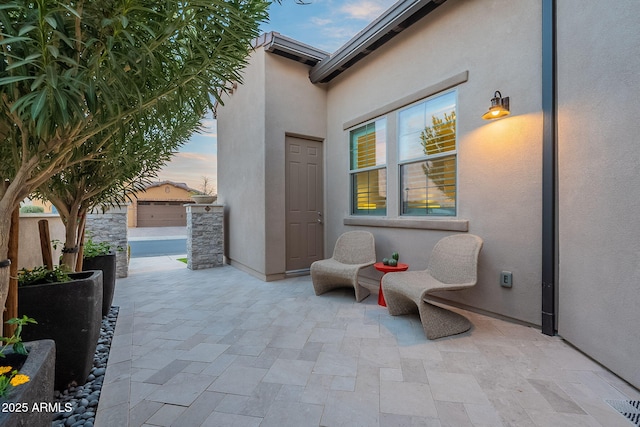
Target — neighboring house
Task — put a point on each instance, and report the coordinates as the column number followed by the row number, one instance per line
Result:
column 312, row 145
column 46, row 206
column 161, row 204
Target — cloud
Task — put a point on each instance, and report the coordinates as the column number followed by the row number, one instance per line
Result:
column 341, row 33
column 196, row 157
column 366, row 10
column 190, row 168
column 321, row 22
column 201, row 143
column 334, row 36
column 340, row 23
column 325, row 24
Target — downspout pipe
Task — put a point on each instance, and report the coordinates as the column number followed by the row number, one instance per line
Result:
column 549, row 166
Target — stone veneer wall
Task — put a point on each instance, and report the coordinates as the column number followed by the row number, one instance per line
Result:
column 111, row 227
column 205, row 236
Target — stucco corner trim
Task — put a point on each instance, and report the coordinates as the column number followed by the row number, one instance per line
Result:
column 461, row 225
column 409, row 99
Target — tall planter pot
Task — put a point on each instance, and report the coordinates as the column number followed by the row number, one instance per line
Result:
column 70, row 313
column 17, row 407
column 106, row 263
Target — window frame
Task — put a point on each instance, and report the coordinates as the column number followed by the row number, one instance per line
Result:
column 353, row 172
column 419, row 159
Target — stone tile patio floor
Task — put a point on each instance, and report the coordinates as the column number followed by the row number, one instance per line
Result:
column 218, row 347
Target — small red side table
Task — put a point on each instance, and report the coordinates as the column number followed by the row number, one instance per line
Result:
column 387, row 269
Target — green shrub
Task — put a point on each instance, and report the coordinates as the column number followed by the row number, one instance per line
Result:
column 93, row 249
column 31, row 209
column 40, row 275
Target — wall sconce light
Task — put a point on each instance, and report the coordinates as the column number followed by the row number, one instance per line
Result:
column 499, row 107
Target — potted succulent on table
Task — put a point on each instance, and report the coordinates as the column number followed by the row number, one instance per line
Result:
column 393, row 261
column 68, row 307
column 26, row 378
column 99, row 256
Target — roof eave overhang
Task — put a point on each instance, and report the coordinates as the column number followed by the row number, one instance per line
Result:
column 396, row 19
column 286, row 47
column 292, row 49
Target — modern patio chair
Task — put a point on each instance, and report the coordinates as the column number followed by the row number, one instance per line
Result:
column 354, row 250
column 453, row 266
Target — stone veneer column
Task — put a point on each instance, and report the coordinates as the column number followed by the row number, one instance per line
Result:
column 205, row 236
column 111, row 227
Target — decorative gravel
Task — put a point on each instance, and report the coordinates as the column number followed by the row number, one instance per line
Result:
column 84, row 399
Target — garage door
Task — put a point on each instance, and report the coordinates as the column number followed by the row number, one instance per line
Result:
column 162, row 214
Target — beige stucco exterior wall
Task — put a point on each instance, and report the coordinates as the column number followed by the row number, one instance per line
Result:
column 241, row 173
column 599, row 183
column 496, row 44
column 294, row 106
column 251, row 167
column 499, row 163
column 29, row 252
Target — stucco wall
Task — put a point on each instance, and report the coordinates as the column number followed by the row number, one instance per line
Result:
column 599, row 183
column 29, row 252
column 294, row 106
column 499, row 163
column 241, row 173
column 251, row 166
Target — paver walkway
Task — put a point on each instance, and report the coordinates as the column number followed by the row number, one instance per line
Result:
column 218, row 347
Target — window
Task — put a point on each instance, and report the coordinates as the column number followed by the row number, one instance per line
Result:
column 427, row 156
column 368, row 158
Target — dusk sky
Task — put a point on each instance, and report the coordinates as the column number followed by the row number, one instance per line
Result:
column 324, row 24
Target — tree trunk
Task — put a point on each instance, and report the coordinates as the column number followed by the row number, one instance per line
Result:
column 45, row 243
column 10, row 194
column 12, row 292
column 70, row 250
column 81, row 229
column 4, row 271
column 6, row 209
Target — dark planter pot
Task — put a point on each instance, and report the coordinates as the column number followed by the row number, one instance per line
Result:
column 18, row 407
column 106, row 263
column 69, row 313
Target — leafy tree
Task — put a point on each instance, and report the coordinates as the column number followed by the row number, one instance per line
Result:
column 125, row 166
column 75, row 72
column 438, row 138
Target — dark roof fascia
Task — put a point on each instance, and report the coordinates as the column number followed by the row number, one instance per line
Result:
column 292, row 49
column 396, row 19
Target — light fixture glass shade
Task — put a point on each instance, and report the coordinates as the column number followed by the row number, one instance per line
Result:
column 499, row 107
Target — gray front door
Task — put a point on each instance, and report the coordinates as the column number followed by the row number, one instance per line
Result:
column 303, row 202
